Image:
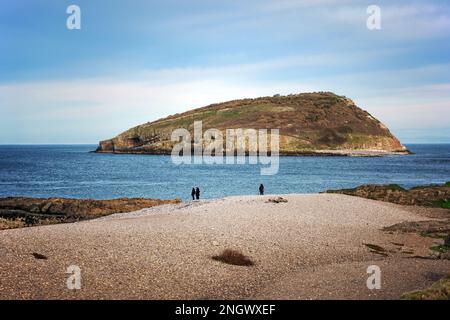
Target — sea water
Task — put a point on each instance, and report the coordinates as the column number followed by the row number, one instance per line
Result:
column 73, row 171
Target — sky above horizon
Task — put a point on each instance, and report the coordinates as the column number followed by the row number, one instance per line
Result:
column 138, row 61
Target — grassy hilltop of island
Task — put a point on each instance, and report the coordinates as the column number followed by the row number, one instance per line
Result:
column 310, row 123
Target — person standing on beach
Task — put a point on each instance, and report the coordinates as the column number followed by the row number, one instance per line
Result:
column 261, row 189
column 197, row 193
column 193, row 193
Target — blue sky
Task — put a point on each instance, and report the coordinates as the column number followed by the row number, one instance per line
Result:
column 136, row 61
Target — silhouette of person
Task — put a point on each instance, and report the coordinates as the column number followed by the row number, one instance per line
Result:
column 197, row 193
column 193, row 193
column 261, row 189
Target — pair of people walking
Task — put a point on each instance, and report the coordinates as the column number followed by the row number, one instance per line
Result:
column 195, row 193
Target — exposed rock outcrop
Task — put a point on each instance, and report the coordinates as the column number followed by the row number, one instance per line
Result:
column 434, row 195
column 19, row 211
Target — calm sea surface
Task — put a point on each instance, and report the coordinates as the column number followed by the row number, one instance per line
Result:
column 72, row 171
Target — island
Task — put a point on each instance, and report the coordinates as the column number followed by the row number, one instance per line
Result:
column 320, row 123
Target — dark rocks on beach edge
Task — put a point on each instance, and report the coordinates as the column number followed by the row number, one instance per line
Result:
column 430, row 196
column 18, row 212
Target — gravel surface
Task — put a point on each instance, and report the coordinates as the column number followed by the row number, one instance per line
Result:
column 310, row 247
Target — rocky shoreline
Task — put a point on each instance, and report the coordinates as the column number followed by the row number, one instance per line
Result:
column 315, row 153
column 430, row 196
column 17, row 212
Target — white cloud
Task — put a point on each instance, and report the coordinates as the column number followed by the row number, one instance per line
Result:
column 105, row 106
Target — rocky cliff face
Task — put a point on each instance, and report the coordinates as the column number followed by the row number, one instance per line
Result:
column 309, row 123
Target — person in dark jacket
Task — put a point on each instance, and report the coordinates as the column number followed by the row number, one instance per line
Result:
column 193, row 193
column 197, row 193
column 261, row 189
